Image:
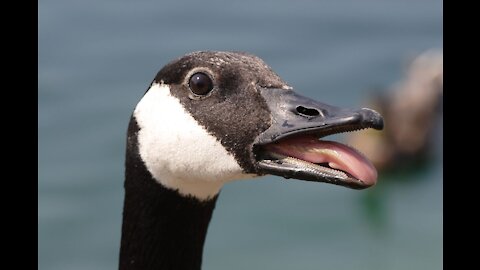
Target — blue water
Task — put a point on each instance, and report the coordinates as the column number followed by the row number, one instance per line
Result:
column 96, row 59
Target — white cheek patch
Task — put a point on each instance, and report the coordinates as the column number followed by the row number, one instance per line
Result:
column 177, row 151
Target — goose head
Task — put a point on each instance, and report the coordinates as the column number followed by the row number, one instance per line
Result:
column 209, row 118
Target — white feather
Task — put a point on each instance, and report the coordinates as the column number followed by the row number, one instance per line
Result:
column 178, row 151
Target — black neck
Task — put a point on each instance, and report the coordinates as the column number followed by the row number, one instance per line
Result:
column 161, row 229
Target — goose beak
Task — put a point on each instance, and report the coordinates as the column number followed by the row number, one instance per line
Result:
column 291, row 146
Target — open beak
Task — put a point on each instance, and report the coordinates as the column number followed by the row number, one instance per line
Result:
column 291, row 146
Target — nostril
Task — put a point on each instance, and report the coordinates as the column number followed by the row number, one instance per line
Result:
column 307, row 111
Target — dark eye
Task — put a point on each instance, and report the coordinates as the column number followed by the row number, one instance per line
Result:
column 200, row 84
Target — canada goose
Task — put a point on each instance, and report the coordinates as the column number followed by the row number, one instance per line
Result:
column 213, row 117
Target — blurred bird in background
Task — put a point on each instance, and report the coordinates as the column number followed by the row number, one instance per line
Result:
column 404, row 150
column 411, row 110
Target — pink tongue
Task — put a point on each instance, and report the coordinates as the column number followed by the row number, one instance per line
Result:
column 337, row 155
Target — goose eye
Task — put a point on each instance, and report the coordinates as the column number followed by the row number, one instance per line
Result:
column 200, row 84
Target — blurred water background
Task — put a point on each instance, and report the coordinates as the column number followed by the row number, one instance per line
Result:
column 96, row 59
